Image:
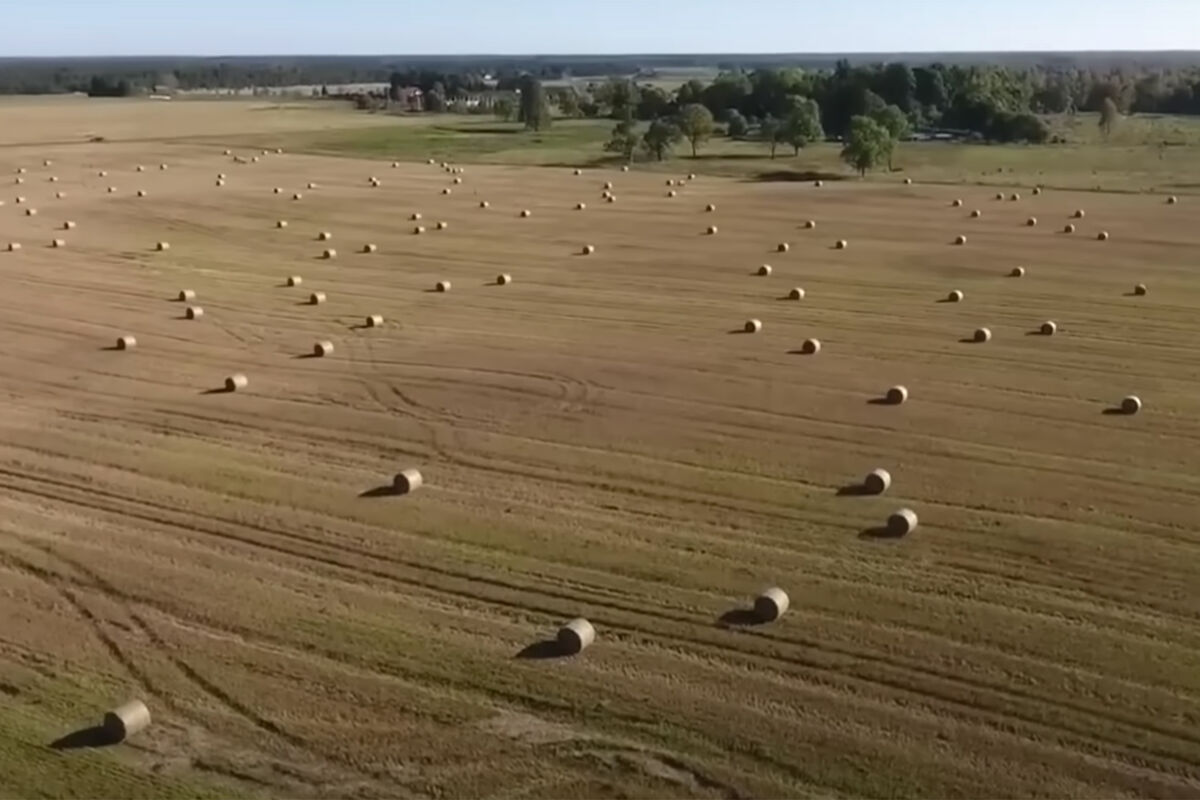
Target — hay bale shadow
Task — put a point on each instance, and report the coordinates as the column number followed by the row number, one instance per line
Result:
column 880, row 532
column 881, row 401
column 539, row 651
column 854, row 490
column 787, row 175
column 737, row 331
column 111, row 347
column 305, row 355
column 386, row 490
column 218, row 390
column 739, row 618
column 95, row 736
column 799, row 353
column 968, row 340
column 1116, row 411
column 1036, row 332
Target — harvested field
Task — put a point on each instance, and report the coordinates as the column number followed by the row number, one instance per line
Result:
column 594, row 442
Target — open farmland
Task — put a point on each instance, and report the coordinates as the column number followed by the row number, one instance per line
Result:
column 597, row 439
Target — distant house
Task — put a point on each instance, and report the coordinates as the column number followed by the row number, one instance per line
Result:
column 409, row 98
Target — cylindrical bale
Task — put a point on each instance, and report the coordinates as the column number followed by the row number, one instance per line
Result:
column 960, row 240
column 483, row 203
column 102, row 173
column 235, row 382
column 982, row 335
column 796, row 294
column 297, row 196
column 576, row 636
column 1014, row 197
column 312, row 185
column 999, row 195
column 162, row 246
column 416, row 215
column 578, row 172
column 1139, row 290
column 957, row 203
column 20, row 199
column 126, row 720
column 1102, row 236
column 526, row 213
column 31, row 212
column 783, row 247
column 1031, row 222
column 141, row 193
column 186, row 295
column 908, row 181
column 877, row 481
column 710, row 208
column 194, row 312
column 625, row 168
column 764, row 270
column 588, row 249
column 752, row 326
column 818, row 184
column 112, row 190
column 68, row 225
column 140, row 168
column 1080, row 214
column 671, row 193
column 608, row 185
column 712, row 230
column 1049, row 328
column 955, row 297
column 1017, row 272
column 691, row 176
column 60, row 195
column 370, row 248
column 406, row 481
column 14, row 247
column 316, row 298
column 126, row 343
column 419, row 229
column 162, row 167
column 503, row 279
column 458, row 180
column 446, row 190
column 976, row 214
column 295, row 280
column 811, row 347
column 580, row 206
column 220, row 182
column 442, row 225
column 322, row 349
column 324, row 236
column 902, row 522
column 329, row 253
column 374, row 321
column 670, row 181
column 897, row 395
column 1172, row 200
column 810, row 224
column 442, row 286
column 58, row 243
column 1068, row 228
column 1037, row 190
column 771, row 604
column 612, row 198
column 283, row 223
column 1131, row 404
column 842, row 244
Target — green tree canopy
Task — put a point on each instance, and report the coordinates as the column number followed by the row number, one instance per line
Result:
column 803, row 123
column 504, row 108
column 660, row 137
column 769, row 131
column 736, row 124
column 895, row 123
column 534, row 110
column 868, row 145
column 624, row 140
column 696, row 123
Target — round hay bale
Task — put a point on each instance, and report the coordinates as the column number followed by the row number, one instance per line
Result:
column 69, row 225
column 297, row 196
column 374, row 321
column 1079, row 214
column 58, row 243
column 442, row 286
column 955, row 296
column 1068, row 228
column 324, row 236
column 810, row 224
column 193, row 312
column 102, row 174
column 141, row 193
column 47, row 163
column 162, row 246
column 295, row 280
column 908, row 181
column 14, row 247
column 580, row 206
column 416, row 215
column 771, row 604
column 442, row 225
column 407, row 481
column 877, row 481
column 1102, row 236
column 796, row 294
column 902, row 522
column 897, row 395
column 316, row 298
column 670, row 181
column 811, row 347
column 526, row 213
column 126, row 342
column 140, row 168
column 162, row 167
column 575, row 636
column 1172, row 200
column 957, row 203
column 960, row 240
column 819, row 184
column 782, row 247
column 982, row 335
column 283, row 223
column 1014, row 197
column 112, row 190
column 608, row 185
column 752, row 326
column 691, row 176
column 710, row 208
column 457, row 180
column 419, row 229
column 59, row 195
column 322, row 349
column 220, row 182
column 396, row 164
column 311, row 185
column 1139, row 290
column 126, row 720
column 999, row 195
column 578, row 172
column 842, row 244
column 228, row 152
column 1037, row 190
column 625, row 168
column 712, row 230
column 1017, row 272
column 370, row 247
column 671, row 193
column 20, row 200
column 503, row 279
column 1131, row 404
column 186, row 295
column 446, row 190
column 588, row 249
column 764, row 270
column 31, row 212
column 329, row 253
column 19, row 181
column 1049, row 328
column 235, row 382
column 277, row 190
column 483, row 203
column 976, row 214
column 1031, row 222
column 612, row 198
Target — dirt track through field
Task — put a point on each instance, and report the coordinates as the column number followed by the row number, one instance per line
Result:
column 598, row 439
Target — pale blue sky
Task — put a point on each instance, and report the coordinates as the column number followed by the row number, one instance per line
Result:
column 237, row 27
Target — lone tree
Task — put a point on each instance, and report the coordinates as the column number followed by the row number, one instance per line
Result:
column 769, row 130
column 803, row 124
column 1108, row 116
column 736, row 124
column 660, row 137
column 534, row 111
column 624, row 139
column 868, row 145
column 896, row 123
column 696, row 123
column 504, row 108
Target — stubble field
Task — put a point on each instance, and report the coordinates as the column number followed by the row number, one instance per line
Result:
column 596, row 440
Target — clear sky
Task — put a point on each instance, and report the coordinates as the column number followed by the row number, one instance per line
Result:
column 409, row 27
